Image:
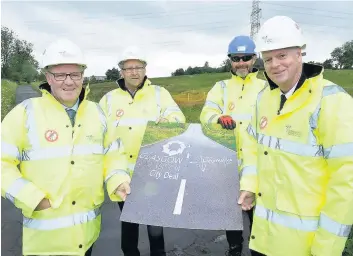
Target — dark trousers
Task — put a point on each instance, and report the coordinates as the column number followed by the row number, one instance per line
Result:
column 235, row 237
column 89, row 251
column 130, row 237
column 254, row 253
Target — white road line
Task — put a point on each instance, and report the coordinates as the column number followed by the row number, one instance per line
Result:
column 180, row 198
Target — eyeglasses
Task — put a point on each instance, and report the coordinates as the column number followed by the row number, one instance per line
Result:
column 129, row 70
column 238, row 58
column 62, row 76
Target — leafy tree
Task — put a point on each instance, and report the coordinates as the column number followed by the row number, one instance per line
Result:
column 17, row 59
column 328, row 64
column 343, row 56
column 112, row 74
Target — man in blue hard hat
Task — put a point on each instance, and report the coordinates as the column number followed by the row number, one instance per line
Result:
column 230, row 103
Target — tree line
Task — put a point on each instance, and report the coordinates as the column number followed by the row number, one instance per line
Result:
column 341, row 58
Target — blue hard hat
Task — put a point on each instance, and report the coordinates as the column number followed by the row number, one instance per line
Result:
column 241, row 45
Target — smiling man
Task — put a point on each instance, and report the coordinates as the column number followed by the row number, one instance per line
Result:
column 230, row 103
column 128, row 109
column 56, row 154
column 301, row 145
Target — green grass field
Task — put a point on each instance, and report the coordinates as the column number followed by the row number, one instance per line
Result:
column 8, row 90
column 197, row 87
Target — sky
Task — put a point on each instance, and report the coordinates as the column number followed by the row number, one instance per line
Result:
column 172, row 34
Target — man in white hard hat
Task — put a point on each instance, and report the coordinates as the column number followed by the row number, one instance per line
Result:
column 128, row 108
column 56, row 155
column 302, row 145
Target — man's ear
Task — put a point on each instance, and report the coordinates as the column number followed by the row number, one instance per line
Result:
column 47, row 76
column 300, row 54
column 254, row 59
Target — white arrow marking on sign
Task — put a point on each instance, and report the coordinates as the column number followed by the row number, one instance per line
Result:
column 180, row 198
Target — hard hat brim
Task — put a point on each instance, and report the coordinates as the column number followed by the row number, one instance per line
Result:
column 121, row 63
column 84, row 66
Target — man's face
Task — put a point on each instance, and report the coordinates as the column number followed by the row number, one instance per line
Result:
column 64, row 88
column 133, row 72
column 242, row 64
column 282, row 66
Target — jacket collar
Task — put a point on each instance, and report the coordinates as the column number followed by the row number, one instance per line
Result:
column 309, row 71
column 45, row 89
column 121, row 84
column 251, row 75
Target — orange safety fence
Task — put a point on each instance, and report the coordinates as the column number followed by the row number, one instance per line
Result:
column 190, row 98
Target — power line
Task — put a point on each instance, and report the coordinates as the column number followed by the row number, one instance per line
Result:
column 312, row 14
column 308, row 8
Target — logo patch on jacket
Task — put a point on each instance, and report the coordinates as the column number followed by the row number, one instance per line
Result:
column 93, row 139
column 51, row 135
column 119, row 113
column 231, row 106
column 292, row 132
column 263, row 122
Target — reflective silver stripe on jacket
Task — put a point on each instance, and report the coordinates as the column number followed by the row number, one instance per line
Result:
column 61, row 151
column 158, row 101
column 211, row 118
column 15, row 187
column 170, row 110
column 334, row 227
column 212, row 104
column 11, row 150
column 131, row 166
column 294, row 222
column 298, row 223
column 290, row 146
column 225, row 96
column 102, row 118
column 259, row 95
column 61, row 222
column 31, row 127
column 109, row 103
column 241, row 117
column 341, row 150
column 115, row 145
column 248, row 170
column 251, row 131
column 111, row 174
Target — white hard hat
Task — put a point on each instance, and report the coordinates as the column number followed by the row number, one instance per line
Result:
column 132, row 53
column 279, row 32
column 63, row 51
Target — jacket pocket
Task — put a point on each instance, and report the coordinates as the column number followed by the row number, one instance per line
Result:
column 299, row 203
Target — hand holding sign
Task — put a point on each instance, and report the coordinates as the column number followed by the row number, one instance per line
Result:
column 123, row 190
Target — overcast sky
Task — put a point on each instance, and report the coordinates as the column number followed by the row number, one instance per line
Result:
column 173, row 34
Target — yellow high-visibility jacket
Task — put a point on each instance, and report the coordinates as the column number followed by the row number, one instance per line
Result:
column 43, row 156
column 235, row 97
column 128, row 115
column 299, row 161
